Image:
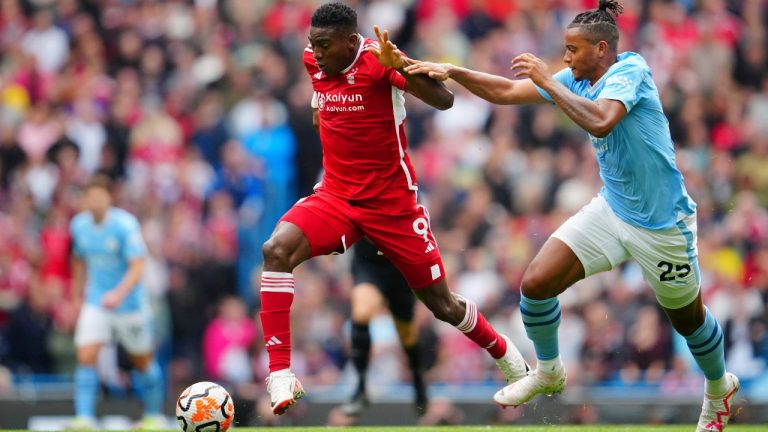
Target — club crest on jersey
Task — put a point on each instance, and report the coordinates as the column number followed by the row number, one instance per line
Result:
column 351, row 76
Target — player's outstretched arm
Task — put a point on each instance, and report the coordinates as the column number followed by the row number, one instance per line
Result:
column 423, row 87
column 596, row 117
column 493, row 88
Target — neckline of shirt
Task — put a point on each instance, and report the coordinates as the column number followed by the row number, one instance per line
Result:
column 361, row 39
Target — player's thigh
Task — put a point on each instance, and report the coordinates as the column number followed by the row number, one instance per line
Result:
column 669, row 260
column 554, row 268
column 134, row 331
column 93, row 329
column 326, row 222
column 366, row 302
column 591, row 234
column 406, row 240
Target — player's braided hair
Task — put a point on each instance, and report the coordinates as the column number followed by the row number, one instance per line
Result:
column 600, row 24
column 335, row 16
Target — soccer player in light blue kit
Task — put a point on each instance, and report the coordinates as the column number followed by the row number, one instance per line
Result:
column 108, row 261
column 643, row 210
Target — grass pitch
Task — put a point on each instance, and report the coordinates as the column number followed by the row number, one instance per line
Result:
column 511, row 428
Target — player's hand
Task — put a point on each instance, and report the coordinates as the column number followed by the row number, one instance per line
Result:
column 529, row 66
column 436, row 71
column 387, row 52
column 112, row 299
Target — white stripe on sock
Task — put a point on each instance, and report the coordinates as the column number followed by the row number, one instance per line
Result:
column 276, row 275
column 281, row 290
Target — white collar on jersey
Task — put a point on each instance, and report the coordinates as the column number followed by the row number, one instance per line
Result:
column 359, row 51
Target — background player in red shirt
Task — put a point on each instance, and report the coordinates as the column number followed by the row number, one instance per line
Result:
column 368, row 189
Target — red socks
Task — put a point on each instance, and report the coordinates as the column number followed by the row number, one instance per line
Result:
column 276, row 299
column 476, row 327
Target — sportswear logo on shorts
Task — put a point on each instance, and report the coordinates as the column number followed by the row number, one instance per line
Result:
column 430, row 247
column 274, row 341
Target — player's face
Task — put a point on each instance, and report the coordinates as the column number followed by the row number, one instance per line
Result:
column 333, row 49
column 581, row 55
column 97, row 200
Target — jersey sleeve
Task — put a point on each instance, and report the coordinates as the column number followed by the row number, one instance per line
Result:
column 564, row 77
column 132, row 241
column 395, row 78
column 623, row 85
column 388, row 73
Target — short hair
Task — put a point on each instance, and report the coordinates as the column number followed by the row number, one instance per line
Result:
column 100, row 181
column 337, row 16
column 600, row 24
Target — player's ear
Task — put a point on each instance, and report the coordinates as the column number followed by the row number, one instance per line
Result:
column 602, row 49
column 352, row 39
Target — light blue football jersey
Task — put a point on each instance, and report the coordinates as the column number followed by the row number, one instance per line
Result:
column 107, row 249
column 641, row 181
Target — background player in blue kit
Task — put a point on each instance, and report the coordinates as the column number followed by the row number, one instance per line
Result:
column 643, row 210
column 108, row 261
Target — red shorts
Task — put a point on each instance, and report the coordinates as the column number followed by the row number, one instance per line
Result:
column 399, row 227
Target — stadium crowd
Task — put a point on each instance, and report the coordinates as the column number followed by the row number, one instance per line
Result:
column 201, row 110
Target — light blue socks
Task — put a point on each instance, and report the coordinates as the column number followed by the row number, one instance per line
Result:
column 706, row 345
column 149, row 384
column 541, row 319
column 86, row 391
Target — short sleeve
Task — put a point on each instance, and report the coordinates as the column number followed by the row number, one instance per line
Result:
column 390, row 74
column 133, row 242
column 395, row 78
column 623, row 85
column 564, row 77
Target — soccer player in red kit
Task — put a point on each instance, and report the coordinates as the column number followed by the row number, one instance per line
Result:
column 369, row 189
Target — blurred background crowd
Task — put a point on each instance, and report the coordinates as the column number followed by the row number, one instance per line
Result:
column 201, row 110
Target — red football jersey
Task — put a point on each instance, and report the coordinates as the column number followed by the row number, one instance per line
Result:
column 362, row 128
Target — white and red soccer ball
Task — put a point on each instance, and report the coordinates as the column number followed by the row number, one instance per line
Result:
column 205, row 407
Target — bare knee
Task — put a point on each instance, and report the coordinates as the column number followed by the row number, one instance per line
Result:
column 88, row 355
column 142, row 361
column 537, row 285
column 277, row 254
column 406, row 331
column 366, row 302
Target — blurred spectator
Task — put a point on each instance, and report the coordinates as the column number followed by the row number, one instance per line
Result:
column 227, row 342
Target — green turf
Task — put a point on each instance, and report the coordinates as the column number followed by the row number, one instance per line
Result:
column 510, row 428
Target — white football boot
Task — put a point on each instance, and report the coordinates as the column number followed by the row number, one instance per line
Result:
column 512, row 365
column 284, row 390
column 81, row 423
column 717, row 410
column 534, row 383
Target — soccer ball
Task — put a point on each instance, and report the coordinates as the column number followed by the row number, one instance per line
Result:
column 205, row 407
